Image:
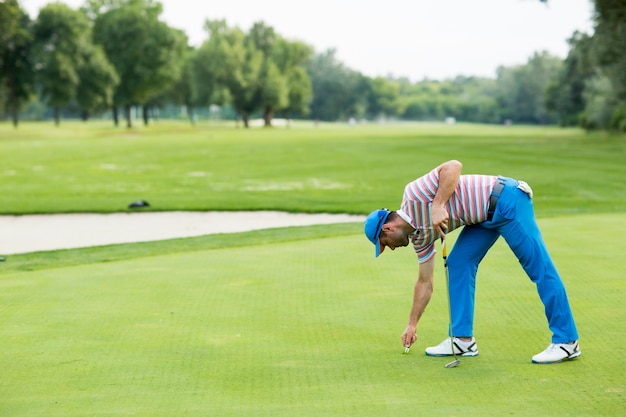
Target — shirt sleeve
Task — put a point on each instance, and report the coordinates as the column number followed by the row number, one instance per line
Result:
column 425, row 253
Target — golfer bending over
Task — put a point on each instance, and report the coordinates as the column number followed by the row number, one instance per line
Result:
column 488, row 207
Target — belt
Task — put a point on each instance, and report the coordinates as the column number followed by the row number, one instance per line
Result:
column 493, row 198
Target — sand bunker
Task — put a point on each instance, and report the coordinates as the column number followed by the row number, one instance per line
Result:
column 32, row 233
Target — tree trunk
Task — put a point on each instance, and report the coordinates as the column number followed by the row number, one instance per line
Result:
column 129, row 122
column 116, row 119
column 246, row 119
column 146, row 116
column 14, row 109
column 268, row 115
column 15, row 105
column 190, row 113
column 57, row 116
column 84, row 115
column 14, row 115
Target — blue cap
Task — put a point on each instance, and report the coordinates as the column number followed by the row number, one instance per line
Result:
column 373, row 226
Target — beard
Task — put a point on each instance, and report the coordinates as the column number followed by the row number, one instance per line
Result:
column 403, row 241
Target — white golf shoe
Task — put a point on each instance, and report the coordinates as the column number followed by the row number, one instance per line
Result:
column 460, row 348
column 558, row 352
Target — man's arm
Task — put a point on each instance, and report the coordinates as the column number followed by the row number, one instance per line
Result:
column 449, row 174
column 421, row 296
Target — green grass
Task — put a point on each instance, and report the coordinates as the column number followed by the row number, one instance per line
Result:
column 109, row 253
column 298, row 321
column 305, row 327
column 98, row 168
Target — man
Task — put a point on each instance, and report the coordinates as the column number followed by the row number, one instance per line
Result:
column 487, row 207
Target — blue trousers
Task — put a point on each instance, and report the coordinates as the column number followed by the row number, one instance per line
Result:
column 514, row 220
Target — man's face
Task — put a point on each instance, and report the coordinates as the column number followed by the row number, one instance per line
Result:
column 393, row 237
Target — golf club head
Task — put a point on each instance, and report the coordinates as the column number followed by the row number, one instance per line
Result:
column 453, row 364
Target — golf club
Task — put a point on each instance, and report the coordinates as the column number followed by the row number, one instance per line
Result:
column 444, row 253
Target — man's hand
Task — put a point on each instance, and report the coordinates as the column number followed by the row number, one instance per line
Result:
column 409, row 336
column 439, row 217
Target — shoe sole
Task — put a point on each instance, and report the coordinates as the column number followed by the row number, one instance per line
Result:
column 575, row 356
column 439, row 355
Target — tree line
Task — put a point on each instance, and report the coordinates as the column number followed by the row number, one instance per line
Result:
column 113, row 55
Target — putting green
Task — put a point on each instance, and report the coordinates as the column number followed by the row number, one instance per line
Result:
column 308, row 327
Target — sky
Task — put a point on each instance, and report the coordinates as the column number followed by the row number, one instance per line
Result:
column 417, row 39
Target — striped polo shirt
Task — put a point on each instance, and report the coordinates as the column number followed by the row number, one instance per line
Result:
column 467, row 205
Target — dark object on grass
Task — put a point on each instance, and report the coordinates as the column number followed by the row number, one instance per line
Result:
column 138, row 204
column 2, row 259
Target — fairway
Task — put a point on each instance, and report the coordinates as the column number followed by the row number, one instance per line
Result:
column 334, row 168
column 299, row 321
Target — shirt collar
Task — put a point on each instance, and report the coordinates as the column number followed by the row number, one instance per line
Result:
column 405, row 217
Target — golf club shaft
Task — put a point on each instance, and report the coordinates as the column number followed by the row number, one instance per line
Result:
column 444, row 252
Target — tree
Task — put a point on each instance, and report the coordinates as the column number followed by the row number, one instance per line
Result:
column 273, row 90
column 97, row 81
column 16, row 78
column 60, row 36
column 521, row 89
column 383, row 97
column 226, row 59
column 600, row 103
column 271, row 85
column 338, row 92
column 475, row 99
column 246, row 69
column 609, row 41
column 243, row 82
column 257, row 71
column 94, row 8
column 291, row 57
column 185, row 90
column 214, row 63
column 145, row 52
column 300, row 92
column 599, row 88
column 565, row 93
